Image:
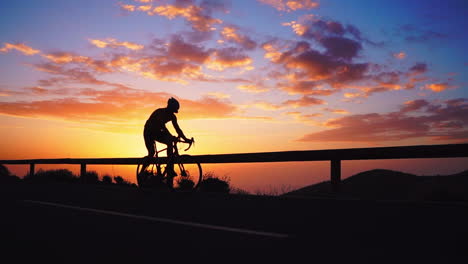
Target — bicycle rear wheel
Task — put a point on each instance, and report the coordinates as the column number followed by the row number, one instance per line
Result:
column 189, row 174
column 149, row 175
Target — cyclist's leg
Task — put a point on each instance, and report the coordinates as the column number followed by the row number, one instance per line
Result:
column 166, row 138
column 149, row 143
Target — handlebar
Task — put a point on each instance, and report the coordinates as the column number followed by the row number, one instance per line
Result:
column 190, row 143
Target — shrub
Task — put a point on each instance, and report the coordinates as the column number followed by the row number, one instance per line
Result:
column 212, row 183
column 6, row 177
column 121, row 181
column 185, row 184
column 239, row 191
column 90, row 177
column 106, row 179
column 61, row 175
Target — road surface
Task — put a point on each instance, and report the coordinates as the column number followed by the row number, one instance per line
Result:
column 74, row 223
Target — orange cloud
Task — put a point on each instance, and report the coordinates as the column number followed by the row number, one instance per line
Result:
column 219, row 95
column 193, row 14
column 336, row 111
column 447, row 121
column 309, row 119
column 130, row 8
column 291, row 5
column 438, row 87
column 145, row 8
column 176, row 61
column 271, row 52
column 229, row 58
column 113, row 43
column 252, row 88
column 65, row 57
column 23, row 48
column 267, row 106
column 305, row 87
column 115, row 107
column 231, row 33
column 304, row 102
column 400, row 55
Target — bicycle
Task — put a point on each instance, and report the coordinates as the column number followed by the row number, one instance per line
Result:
column 155, row 174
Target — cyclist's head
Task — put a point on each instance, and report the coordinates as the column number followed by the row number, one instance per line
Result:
column 173, row 105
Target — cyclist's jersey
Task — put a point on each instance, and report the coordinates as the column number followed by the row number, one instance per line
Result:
column 159, row 118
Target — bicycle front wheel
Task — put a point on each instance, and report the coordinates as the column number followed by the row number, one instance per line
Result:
column 189, row 174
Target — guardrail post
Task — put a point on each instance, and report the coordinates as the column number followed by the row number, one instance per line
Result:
column 335, row 175
column 83, row 172
column 31, row 169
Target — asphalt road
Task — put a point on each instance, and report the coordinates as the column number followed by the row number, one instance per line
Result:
column 103, row 224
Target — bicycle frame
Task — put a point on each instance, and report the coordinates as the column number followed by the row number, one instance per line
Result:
column 174, row 147
column 158, row 169
column 174, row 154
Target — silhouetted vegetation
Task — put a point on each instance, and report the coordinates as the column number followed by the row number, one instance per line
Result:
column 185, row 184
column 122, row 182
column 213, row 183
column 90, row 177
column 66, row 176
column 107, row 179
column 6, row 176
column 375, row 184
column 51, row 176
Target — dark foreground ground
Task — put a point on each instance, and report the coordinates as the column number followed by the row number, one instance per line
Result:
column 66, row 223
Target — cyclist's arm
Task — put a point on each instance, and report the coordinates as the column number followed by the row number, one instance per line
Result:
column 177, row 128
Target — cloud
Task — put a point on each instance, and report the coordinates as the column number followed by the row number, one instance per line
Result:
column 66, row 57
column 400, row 55
column 291, row 5
column 313, row 66
column 252, row 88
column 413, row 33
column 336, row 111
column 438, row 87
column 267, row 106
column 231, row 33
column 304, row 102
column 115, row 106
column 196, row 16
column 340, row 47
column 183, row 51
column 113, row 43
column 23, row 48
column 130, row 8
column 218, row 95
column 309, row 119
column 305, row 88
column 446, row 121
column 69, row 75
column 229, row 58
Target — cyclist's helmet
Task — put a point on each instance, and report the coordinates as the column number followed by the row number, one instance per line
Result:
column 173, row 105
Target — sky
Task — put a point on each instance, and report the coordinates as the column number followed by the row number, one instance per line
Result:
column 78, row 79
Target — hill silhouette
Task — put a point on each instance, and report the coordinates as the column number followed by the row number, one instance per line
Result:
column 381, row 184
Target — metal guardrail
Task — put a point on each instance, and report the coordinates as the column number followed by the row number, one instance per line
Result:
column 335, row 156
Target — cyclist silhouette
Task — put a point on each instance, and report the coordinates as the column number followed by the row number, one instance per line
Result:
column 156, row 130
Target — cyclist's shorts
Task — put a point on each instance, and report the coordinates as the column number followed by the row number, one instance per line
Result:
column 162, row 135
